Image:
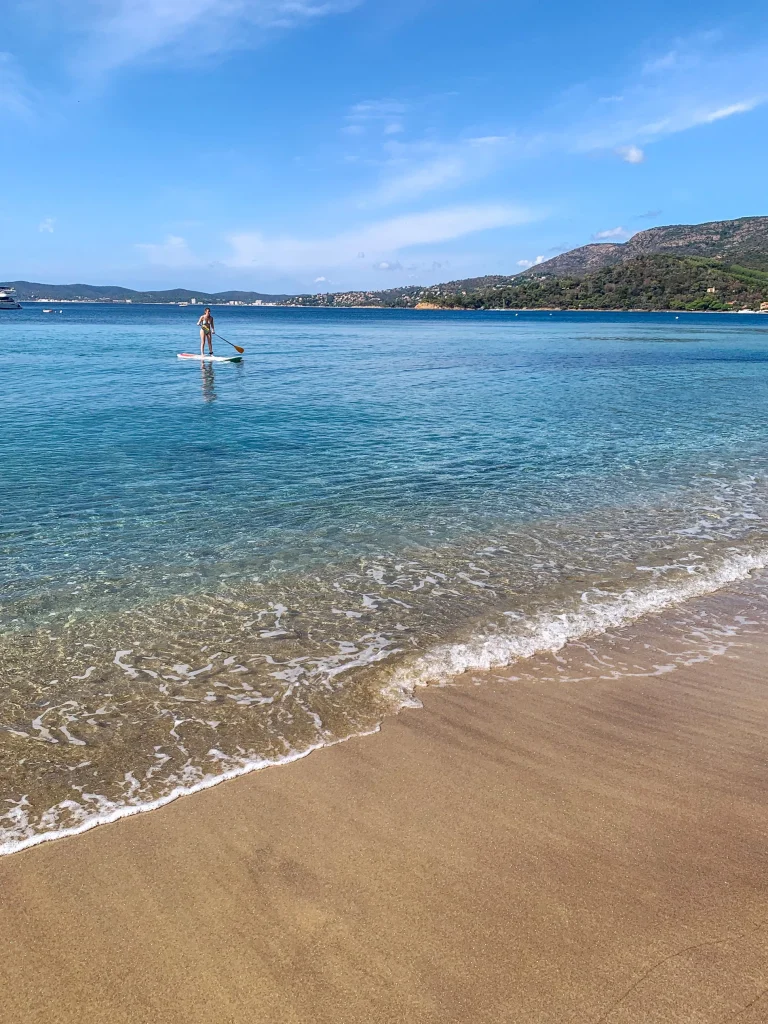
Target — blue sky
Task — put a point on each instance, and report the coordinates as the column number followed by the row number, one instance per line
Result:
column 314, row 145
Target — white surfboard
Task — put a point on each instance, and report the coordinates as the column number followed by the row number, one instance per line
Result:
column 209, row 359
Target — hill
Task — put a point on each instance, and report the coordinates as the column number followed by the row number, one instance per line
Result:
column 32, row 291
column 743, row 242
column 393, row 298
column 647, row 283
column 719, row 265
column 652, row 282
column 673, row 267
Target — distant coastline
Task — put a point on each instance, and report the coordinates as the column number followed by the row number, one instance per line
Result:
column 421, row 308
column 721, row 266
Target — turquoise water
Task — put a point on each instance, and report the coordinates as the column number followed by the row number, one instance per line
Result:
column 205, row 569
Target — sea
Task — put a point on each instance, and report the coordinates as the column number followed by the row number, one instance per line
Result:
column 210, row 569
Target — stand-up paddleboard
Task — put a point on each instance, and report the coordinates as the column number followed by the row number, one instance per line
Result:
column 209, row 359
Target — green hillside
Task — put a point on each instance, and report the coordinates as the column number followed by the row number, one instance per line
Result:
column 720, row 265
column 648, row 282
column 742, row 242
column 31, row 291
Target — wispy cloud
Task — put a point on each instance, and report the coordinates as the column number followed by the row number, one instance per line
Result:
column 173, row 252
column 412, row 170
column 384, row 115
column 613, row 234
column 47, row 225
column 16, row 96
column 116, row 33
column 734, row 108
column 380, row 240
column 416, row 180
column 695, row 85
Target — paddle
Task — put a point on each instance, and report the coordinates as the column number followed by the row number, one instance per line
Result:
column 235, row 347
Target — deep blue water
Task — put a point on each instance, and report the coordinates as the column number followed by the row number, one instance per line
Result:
column 365, row 489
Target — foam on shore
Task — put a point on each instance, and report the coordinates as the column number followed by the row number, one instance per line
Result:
column 546, row 632
column 550, row 632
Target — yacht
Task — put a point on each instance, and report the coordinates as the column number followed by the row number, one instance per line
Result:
column 7, row 300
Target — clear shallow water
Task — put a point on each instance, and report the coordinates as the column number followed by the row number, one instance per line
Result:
column 207, row 569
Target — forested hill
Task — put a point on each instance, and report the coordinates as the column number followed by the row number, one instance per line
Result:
column 32, row 291
column 647, row 282
column 720, row 265
column 743, row 242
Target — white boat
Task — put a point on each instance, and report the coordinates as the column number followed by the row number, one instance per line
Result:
column 7, row 300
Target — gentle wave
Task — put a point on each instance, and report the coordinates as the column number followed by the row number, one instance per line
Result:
column 541, row 633
column 114, row 812
column 550, row 632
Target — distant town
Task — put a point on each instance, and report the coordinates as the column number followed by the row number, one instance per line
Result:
column 168, row 302
column 721, row 266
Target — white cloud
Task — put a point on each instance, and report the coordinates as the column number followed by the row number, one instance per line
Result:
column 696, row 84
column 380, row 239
column 384, row 114
column 420, row 179
column 665, row 62
column 376, row 110
column 47, row 225
column 631, row 154
column 173, row 252
column 16, row 97
column 120, row 32
column 387, row 265
column 415, row 169
column 530, row 263
column 615, row 233
column 734, row 108
column 320, row 280
column 688, row 52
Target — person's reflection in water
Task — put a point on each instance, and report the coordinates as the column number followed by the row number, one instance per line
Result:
column 209, row 382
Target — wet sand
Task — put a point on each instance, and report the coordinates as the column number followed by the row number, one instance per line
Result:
column 525, row 850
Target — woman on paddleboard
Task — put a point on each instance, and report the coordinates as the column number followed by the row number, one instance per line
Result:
column 206, row 325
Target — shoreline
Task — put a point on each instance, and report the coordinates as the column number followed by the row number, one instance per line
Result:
column 406, row 309
column 550, row 844
column 443, row 664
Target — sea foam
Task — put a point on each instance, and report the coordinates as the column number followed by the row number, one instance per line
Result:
column 550, row 631
column 547, row 631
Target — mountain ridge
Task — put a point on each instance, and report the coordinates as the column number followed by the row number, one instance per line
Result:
column 743, row 241
column 649, row 283
column 715, row 258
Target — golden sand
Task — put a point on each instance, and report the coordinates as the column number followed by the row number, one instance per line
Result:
column 525, row 850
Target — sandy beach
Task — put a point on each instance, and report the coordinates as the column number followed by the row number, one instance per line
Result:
column 522, row 850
